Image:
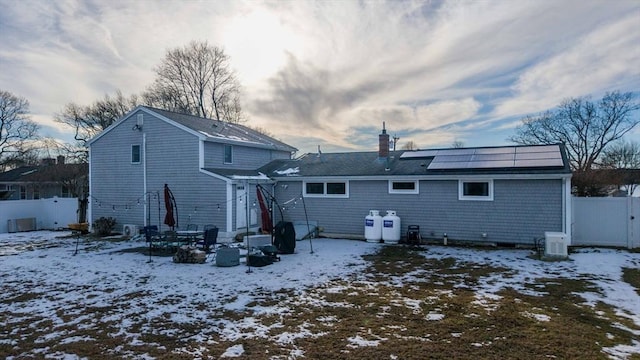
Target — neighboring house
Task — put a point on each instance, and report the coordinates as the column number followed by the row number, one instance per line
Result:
column 209, row 165
column 509, row 194
column 43, row 181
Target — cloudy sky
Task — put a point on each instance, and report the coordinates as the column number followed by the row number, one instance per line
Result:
column 330, row 72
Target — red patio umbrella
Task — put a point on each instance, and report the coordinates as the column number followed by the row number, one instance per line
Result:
column 264, row 212
column 169, row 204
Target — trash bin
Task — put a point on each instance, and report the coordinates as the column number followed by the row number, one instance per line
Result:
column 284, row 237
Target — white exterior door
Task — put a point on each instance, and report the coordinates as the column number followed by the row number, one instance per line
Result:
column 241, row 206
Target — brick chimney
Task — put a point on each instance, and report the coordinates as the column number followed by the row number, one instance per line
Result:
column 60, row 159
column 383, row 143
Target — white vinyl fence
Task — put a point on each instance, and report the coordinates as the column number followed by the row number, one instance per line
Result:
column 611, row 221
column 53, row 213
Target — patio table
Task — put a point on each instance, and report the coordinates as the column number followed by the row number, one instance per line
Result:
column 189, row 236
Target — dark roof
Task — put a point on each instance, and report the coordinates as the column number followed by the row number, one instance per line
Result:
column 15, row 174
column 352, row 164
column 217, row 129
column 44, row 173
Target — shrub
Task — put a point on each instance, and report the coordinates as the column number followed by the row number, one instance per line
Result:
column 104, row 225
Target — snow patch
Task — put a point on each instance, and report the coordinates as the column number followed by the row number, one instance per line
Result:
column 234, row 351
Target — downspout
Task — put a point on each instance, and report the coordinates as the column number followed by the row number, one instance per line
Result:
column 144, row 175
column 567, row 222
column 90, row 199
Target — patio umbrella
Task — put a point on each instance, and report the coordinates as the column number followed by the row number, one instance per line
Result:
column 264, row 212
column 169, row 204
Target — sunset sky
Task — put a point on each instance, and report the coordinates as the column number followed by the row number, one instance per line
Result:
column 329, row 73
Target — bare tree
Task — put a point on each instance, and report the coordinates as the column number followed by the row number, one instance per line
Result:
column 88, row 121
column 410, row 145
column 457, row 144
column 624, row 156
column 17, row 130
column 197, row 80
column 585, row 127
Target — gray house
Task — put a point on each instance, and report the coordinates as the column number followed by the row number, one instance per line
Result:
column 51, row 178
column 209, row 165
column 509, row 194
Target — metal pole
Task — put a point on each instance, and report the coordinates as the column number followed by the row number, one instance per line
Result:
column 246, row 194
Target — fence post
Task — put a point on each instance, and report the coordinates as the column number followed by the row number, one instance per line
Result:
column 633, row 223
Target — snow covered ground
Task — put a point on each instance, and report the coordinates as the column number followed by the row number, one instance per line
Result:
column 43, row 263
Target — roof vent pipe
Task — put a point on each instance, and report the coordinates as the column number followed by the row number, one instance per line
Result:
column 383, row 143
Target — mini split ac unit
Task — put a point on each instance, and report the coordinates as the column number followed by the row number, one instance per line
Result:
column 556, row 244
column 130, row 230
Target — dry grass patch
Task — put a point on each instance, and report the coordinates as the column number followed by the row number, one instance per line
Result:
column 402, row 306
column 632, row 276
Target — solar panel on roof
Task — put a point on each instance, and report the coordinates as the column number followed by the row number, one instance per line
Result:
column 452, row 158
column 418, row 154
column 541, row 148
column 456, row 152
column 447, row 165
column 501, row 150
column 538, row 156
column 493, row 157
column 538, row 163
column 492, row 164
column 487, row 158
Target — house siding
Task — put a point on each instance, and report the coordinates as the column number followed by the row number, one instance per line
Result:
column 520, row 210
column 244, row 158
column 172, row 158
column 116, row 184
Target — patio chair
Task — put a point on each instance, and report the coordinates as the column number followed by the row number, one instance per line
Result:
column 170, row 239
column 208, row 226
column 210, row 239
column 192, row 227
column 151, row 233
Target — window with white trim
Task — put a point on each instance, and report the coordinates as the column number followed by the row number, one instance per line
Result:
column 481, row 190
column 135, row 154
column 335, row 189
column 228, row 154
column 404, row 187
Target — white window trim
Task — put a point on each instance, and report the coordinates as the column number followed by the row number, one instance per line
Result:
column 324, row 194
column 139, row 154
column 461, row 195
column 396, row 191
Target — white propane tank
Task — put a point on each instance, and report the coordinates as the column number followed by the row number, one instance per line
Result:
column 373, row 226
column 391, row 228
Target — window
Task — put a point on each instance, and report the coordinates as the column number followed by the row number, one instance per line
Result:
column 23, row 192
column 65, row 192
column 338, row 189
column 135, row 154
column 36, row 193
column 228, row 154
column 315, row 188
column 475, row 190
column 403, row 187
